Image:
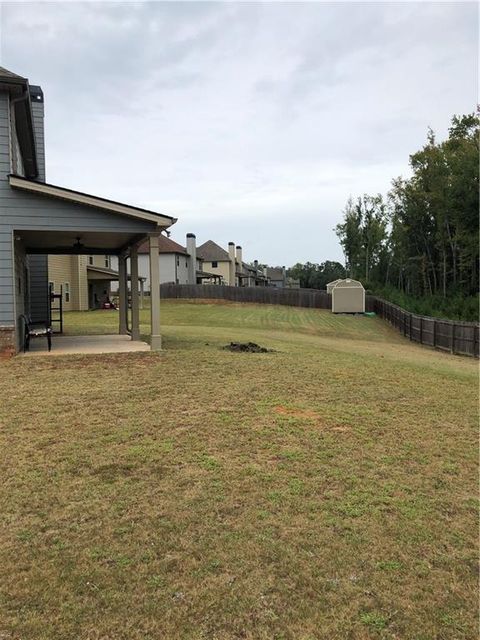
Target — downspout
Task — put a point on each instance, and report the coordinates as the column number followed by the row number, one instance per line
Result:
column 23, row 97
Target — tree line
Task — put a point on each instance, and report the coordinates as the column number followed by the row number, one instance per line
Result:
column 421, row 241
column 317, row 276
column 419, row 245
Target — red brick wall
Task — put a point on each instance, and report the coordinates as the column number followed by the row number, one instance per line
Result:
column 7, row 342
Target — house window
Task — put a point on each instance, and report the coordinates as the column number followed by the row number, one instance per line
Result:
column 178, row 261
column 67, row 292
column 214, row 264
column 90, row 260
column 107, row 262
column 186, row 264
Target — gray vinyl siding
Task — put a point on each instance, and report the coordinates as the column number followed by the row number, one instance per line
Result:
column 6, row 235
column 38, row 126
column 21, row 292
column 38, row 264
column 38, row 280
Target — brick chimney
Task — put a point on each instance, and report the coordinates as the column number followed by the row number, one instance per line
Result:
column 192, row 262
column 231, row 270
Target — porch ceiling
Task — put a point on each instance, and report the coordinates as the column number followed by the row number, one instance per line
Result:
column 77, row 242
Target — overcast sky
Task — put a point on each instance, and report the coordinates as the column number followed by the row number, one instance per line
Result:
column 249, row 122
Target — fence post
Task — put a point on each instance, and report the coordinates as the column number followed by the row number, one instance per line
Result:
column 410, row 328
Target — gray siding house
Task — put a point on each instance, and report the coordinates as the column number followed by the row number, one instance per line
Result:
column 38, row 219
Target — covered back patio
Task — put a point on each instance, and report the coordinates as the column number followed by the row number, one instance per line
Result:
column 54, row 220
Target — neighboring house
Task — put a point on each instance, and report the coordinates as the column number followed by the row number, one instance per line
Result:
column 173, row 262
column 178, row 265
column 277, row 277
column 83, row 281
column 218, row 262
column 228, row 267
column 40, row 219
column 250, row 275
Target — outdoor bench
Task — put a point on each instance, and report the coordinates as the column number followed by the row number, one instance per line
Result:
column 36, row 330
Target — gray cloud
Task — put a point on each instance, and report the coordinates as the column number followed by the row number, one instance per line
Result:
column 249, row 122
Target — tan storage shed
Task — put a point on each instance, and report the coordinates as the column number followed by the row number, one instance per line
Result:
column 330, row 285
column 348, row 296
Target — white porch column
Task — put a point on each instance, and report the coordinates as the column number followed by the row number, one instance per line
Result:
column 122, row 295
column 134, row 293
column 141, row 293
column 155, row 337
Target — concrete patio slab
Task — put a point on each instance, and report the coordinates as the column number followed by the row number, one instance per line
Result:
column 69, row 345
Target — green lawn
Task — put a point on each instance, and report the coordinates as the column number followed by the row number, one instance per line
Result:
column 325, row 490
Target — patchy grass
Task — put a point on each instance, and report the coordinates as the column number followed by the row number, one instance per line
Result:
column 231, row 315
column 327, row 490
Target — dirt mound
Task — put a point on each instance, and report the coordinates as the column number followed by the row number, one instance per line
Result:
column 246, row 347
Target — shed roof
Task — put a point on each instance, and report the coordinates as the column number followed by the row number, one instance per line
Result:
column 348, row 283
column 211, row 251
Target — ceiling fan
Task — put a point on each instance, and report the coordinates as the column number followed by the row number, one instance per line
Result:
column 78, row 246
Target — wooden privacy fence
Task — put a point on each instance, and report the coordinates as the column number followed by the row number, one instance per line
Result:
column 265, row 295
column 454, row 336
column 457, row 337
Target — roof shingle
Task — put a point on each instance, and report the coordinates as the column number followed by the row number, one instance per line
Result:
column 6, row 74
column 210, row 251
column 165, row 245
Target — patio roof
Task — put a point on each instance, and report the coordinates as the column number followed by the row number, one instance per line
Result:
column 78, row 197
column 47, row 219
column 59, row 221
column 206, row 274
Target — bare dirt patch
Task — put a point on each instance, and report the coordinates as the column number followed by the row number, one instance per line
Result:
column 246, row 347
